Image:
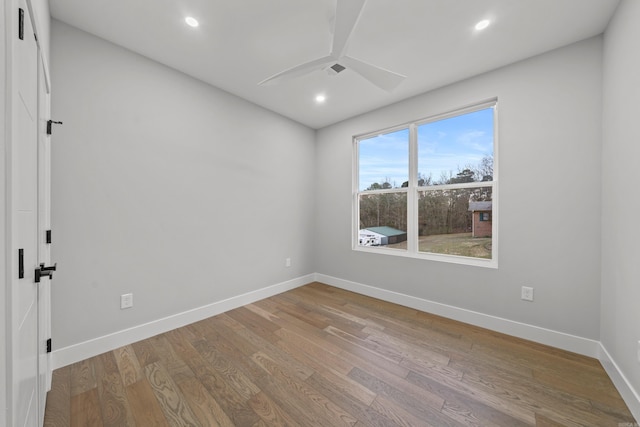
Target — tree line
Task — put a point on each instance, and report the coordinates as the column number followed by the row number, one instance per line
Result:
column 439, row 211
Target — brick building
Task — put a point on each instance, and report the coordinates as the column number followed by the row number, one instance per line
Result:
column 482, row 221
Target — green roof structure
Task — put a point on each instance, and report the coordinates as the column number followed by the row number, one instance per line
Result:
column 386, row 231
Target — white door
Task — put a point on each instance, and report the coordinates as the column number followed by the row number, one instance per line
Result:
column 24, row 395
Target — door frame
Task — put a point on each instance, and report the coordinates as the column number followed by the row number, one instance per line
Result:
column 43, row 216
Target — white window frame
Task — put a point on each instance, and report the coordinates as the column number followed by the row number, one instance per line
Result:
column 413, row 190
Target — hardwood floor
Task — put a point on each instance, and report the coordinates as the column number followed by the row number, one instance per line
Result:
column 321, row 356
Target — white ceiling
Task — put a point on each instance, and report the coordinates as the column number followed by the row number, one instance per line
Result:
column 241, row 42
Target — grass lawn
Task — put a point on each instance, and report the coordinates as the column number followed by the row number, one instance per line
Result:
column 461, row 244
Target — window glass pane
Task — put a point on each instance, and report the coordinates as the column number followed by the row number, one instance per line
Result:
column 456, row 150
column 449, row 222
column 383, row 220
column 384, row 161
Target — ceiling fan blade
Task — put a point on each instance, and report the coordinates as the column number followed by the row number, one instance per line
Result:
column 347, row 14
column 299, row 70
column 384, row 79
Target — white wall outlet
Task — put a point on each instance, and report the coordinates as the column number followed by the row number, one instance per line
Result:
column 527, row 293
column 287, row 262
column 126, row 301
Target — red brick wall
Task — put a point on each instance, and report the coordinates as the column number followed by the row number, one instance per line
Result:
column 481, row 228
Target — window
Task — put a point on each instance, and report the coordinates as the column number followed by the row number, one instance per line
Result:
column 428, row 189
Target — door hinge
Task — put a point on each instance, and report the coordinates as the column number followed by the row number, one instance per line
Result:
column 21, row 23
column 20, row 263
column 49, row 345
column 48, row 237
column 49, row 123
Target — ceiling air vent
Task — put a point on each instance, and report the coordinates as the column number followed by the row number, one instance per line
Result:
column 337, row 68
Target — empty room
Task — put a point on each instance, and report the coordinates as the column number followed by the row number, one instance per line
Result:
column 319, row 213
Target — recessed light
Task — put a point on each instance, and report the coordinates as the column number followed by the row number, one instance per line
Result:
column 320, row 98
column 191, row 21
column 482, row 24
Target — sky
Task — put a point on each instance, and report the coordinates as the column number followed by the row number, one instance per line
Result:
column 445, row 146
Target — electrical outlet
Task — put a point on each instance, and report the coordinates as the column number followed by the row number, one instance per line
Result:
column 527, row 293
column 126, row 301
column 287, row 262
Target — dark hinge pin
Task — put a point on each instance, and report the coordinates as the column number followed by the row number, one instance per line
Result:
column 20, row 263
column 21, row 24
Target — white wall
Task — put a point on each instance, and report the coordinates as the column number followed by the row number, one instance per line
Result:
column 620, row 325
column 549, row 149
column 167, row 188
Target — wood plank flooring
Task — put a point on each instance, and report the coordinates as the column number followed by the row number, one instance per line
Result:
column 321, row 356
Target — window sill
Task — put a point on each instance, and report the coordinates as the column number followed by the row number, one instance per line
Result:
column 452, row 259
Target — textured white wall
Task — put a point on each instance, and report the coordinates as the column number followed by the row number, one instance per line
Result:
column 168, row 188
column 549, row 149
column 620, row 331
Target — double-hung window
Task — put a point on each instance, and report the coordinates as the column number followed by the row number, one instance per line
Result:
column 428, row 189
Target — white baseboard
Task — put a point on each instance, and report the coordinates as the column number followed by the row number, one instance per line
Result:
column 84, row 350
column 629, row 394
column 584, row 346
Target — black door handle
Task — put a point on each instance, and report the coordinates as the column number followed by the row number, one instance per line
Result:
column 45, row 271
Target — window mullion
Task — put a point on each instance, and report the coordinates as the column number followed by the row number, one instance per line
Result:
column 412, row 204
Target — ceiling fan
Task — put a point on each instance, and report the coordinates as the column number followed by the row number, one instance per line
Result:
column 347, row 15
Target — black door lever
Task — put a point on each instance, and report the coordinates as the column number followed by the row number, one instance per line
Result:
column 49, row 123
column 45, row 271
